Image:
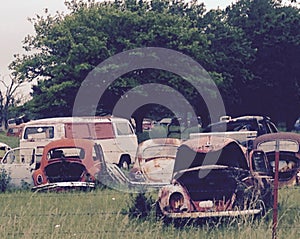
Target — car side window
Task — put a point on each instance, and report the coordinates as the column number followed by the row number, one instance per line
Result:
column 259, row 162
column 123, row 129
column 43, row 132
column 97, row 153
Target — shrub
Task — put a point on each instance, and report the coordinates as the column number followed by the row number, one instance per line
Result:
column 4, row 180
column 140, row 205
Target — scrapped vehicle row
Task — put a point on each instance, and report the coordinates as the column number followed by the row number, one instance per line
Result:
column 212, row 174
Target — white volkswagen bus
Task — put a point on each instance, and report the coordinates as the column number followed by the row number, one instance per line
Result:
column 115, row 135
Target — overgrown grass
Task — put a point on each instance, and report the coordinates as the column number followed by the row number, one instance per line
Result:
column 105, row 213
column 13, row 142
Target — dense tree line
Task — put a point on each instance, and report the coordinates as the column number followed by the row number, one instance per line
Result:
column 251, row 50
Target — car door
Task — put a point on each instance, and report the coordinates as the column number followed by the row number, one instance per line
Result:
column 126, row 140
column 19, row 164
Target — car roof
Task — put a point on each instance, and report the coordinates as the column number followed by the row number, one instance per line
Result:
column 85, row 119
column 241, row 118
column 223, row 124
column 61, row 143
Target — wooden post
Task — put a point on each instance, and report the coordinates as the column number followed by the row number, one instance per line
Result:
column 275, row 206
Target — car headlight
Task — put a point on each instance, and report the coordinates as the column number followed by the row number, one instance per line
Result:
column 39, row 179
column 176, row 201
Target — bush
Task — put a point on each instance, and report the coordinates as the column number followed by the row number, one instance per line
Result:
column 142, row 136
column 140, row 205
column 4, row 180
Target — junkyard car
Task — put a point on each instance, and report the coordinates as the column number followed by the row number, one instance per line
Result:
column 155, row 160
column 147, row 124
column 261, row 124
column 212, row 178
column 68, row 163
column 297, row 125
column 289, row 155
column 19, row 163
column 15, row 130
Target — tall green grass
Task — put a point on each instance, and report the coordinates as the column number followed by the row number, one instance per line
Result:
column 102, row 214
column 11, row 141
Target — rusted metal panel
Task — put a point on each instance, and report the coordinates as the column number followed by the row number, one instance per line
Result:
column 78, row 161
column 289, row 160
column 155, row 160
column 197, row 189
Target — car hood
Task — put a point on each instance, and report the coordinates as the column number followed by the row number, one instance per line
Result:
column 214, row 182
column 210, row 151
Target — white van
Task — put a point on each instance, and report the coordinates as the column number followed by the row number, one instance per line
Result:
column 115, row 135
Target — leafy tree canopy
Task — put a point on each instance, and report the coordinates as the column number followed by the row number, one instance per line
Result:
column 70, row 46
column 251, row 49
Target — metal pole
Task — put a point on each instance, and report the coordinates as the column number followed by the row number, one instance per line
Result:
column 275, row 206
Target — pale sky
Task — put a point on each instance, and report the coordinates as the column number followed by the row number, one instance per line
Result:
column 14, row 26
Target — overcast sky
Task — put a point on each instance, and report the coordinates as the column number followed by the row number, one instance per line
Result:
column 14, row 24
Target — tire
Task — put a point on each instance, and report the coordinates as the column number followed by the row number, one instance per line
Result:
column 262, row 206
column 124, row 162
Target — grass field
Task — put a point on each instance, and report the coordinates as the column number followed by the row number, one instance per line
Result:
column 104, row 213
column 11, row 141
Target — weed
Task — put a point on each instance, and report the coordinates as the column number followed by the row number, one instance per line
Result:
column 141, row 205
column 4, row 180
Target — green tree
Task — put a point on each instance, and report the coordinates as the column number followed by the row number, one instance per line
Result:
column 232, row 56
column 70, row 46
column 8, row 99
column 274, row 33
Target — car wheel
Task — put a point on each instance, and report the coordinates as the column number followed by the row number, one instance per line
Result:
column 262, row 207
column 124, row 162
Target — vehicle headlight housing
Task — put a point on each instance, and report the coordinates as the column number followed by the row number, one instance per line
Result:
column 39, row 179
column 176, row 201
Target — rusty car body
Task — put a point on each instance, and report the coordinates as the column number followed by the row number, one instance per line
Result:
column 155, row 160
column 212, row 178
column 289, row 155
column 15, row 130
column 19, row 163
column 260, row 124
column 68, row 163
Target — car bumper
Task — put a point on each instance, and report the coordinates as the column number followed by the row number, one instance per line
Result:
column 214, row 214
column 64, row 185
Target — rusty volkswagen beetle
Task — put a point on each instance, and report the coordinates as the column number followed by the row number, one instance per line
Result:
column 155, row 160
column 289, row 155
column 212, row 178
column 68, row 163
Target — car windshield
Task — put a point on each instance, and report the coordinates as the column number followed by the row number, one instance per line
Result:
column 74, row 153
column 40, row 132
column 283, row 145
column 159, row 151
